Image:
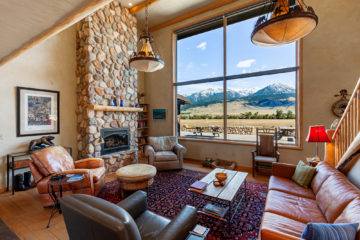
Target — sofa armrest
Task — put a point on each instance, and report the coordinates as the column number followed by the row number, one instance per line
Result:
column 180, row 226
column 283, row 170
column 150, row 152
column 89, row 163
column 135, row 204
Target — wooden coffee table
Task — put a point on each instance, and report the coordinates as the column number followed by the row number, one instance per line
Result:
column 224, row 195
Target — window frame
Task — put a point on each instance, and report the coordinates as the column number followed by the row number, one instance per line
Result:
column 298, row 94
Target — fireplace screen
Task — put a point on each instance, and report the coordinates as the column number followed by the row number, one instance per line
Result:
column 114, row 140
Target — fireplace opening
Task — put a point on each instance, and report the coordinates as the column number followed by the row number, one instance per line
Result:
column 115, row 140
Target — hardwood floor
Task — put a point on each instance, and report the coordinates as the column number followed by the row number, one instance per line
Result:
column 24, row 214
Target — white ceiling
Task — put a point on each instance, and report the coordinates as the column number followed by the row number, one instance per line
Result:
column 164, row 10
column 23, row 20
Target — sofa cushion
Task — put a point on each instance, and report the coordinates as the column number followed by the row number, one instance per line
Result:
column 323, row 171
column 97, row 173
column 162, row 143
column 278, row 227
column 165, row 156
column 52, row 160
column 328, row 231
column 288, row 186
column 265, row 159
column 297, row 208
column 351, row 214
column 334, row 195
column 303, row 174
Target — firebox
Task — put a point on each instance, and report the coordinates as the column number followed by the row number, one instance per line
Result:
column 115, row 140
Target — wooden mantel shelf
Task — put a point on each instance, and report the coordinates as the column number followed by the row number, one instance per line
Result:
column 114, row 109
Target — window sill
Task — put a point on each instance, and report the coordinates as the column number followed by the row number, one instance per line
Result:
column 243, row 143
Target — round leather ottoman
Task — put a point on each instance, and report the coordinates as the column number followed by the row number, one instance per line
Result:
column 135, row 177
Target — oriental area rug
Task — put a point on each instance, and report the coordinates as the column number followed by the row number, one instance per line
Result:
column 169, row 194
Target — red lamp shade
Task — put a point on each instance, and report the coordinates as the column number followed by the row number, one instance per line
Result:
column 317, row 134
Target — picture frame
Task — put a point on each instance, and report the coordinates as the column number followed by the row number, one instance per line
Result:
column 159, row 114
column 38, row 112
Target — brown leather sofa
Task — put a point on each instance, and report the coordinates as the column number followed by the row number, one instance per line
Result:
column 331, row 198
column 56, row 160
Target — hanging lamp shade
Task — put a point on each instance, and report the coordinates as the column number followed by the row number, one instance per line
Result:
column 285, row 24
column 146, row 59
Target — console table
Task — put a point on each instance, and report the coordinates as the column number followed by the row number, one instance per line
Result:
column 14, row 165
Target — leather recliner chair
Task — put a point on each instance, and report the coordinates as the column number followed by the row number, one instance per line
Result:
column 88, row 217
column 56, row 160
column 165, row 153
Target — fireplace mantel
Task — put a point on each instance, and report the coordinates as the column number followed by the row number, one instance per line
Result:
column 114, row 108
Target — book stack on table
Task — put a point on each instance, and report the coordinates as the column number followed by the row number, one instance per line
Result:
column 198, row 233
column 74, row 177
column 214, row 210
column 198, row 186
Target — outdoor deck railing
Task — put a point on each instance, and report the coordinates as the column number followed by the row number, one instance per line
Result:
column 346, row 136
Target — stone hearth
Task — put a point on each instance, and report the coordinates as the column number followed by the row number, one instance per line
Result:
column 105, row 41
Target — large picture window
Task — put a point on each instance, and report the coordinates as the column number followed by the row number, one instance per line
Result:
column 226, row 86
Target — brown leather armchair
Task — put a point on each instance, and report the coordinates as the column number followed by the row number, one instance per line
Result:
column 56, row 160
column 165, row 153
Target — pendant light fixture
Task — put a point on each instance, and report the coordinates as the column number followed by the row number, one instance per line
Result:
column 146, row 59
column 285, row 24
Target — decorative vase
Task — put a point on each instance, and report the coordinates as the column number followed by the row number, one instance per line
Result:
column 112, row 102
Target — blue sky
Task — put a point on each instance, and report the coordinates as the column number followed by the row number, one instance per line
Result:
column 201, row 56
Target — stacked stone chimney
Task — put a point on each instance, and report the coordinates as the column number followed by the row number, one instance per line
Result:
column 105, row 42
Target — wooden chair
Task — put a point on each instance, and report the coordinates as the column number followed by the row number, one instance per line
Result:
column 266, row 151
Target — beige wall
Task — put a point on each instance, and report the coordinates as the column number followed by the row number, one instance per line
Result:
column 50, row 65
column 331, row 61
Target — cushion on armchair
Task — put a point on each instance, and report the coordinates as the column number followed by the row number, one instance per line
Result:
column 162, row 143
column 165, row 156
column 52, row 160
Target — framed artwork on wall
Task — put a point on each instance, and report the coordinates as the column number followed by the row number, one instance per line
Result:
column 159, row 114
column 38, row 112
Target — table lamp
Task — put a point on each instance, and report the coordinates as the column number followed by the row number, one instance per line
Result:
column 317, row 134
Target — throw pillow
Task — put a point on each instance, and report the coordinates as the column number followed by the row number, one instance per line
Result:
column 327, row 231
column 303, row 174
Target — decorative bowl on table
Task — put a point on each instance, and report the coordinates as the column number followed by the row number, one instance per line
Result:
column 221, row 177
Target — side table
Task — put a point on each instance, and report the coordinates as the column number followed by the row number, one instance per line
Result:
column 58, row 184
column 311, row 162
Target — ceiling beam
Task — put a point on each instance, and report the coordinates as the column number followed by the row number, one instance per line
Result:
column 74, row 17
column 206, row 8
column 141, row 6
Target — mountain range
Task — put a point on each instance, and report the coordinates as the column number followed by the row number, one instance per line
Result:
column 273, row 95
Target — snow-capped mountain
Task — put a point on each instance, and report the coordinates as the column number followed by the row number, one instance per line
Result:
column 274, row 89
column 276, row 94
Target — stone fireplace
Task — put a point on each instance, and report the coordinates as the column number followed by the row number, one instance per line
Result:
column 115, row 140
column 105, row 41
